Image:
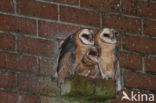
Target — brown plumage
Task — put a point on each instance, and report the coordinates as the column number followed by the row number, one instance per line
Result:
column 72, row 51
column 109, row 67
column 89, row 64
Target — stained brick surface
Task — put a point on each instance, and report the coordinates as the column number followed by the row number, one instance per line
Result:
column 18, row 62
column 31, row 32
column 149, row 26
column 130, row 60
column 55, row 30
column 107, row 5
column 139, row 7
column 80, row 16
column 37, row 9
column 74, row 2
column 7, row 79
column 38, row 46
column 122, row 23
column 7, row 41
column 150, row 64
column 6, row 5
column 140, row 44
column 7, row 97
column 37, row 84
column 138, row 80
column 17, row 24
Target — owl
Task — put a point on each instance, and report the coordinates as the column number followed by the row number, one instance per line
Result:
column 88, row 66
column 109, row 67
column 72, row 51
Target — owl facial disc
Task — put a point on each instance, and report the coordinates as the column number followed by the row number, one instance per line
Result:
column 108, row 35
column 86, row 37
column 93, row 54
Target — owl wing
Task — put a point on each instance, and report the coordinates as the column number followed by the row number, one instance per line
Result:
column 66, row 58
column 117, row 71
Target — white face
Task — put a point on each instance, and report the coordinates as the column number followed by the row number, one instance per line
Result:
column 86, row 37
column 108, row 35
column 93, row 54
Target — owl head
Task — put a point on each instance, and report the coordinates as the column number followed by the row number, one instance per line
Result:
column 86, row 36
column 92, row 56
column 108, row 35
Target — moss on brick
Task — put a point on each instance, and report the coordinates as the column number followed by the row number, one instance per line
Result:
column 88, row 89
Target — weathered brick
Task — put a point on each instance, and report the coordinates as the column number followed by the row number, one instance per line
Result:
column 53, row 100
column 130, row 60
column 122, row 23
column 18, row 62
column 107, row 5
column 6, row 5
column 140, row 8
column 17, row 24
column 74, row 2
column 9, row 97
column 37, row 9
column 150, row 27
column 141, row 81
column 80, row 16
column 48, row 66
column 37, row 84
column 150, row 63
column 56, row 30
column 38, row 46
column 7, row 41
column 7, row 79
column 140, row 44
column 129, row 93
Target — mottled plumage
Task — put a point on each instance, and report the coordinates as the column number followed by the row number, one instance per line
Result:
column 72, row 51
column 109, row 67
column 89, row 64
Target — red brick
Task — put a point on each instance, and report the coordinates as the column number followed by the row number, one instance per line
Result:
column 140, row 8
column 130, row 60
column 37, row 84
column 128, row 92
column 54, row 100
column 56, row 30
column 9, row 97
column 6, row 5
column 48, row 66
column 139, row 44
column 7, row 79
column 122, row 23
column 17, row 24
column 141, row 81
column 150, row 63
column 107, row 5
column 38, row 46
column 37, row 9
column 80, row 16
column 18, row 62
column 74, row 2
column 150, row 27
column 7, row 42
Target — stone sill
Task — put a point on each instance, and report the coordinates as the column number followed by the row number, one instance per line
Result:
column 89, row 89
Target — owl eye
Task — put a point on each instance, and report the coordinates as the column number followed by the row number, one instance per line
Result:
column 92, row 53
column 85, row 36
column 106, row 35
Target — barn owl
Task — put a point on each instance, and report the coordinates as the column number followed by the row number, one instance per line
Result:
column 88, row 66
column 109, row 67
column 72, row 51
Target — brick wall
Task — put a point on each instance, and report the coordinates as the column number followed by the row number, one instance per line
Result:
column 30, row 32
